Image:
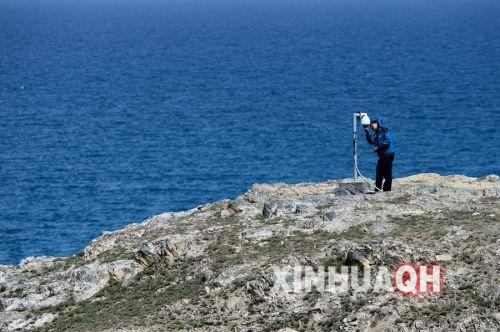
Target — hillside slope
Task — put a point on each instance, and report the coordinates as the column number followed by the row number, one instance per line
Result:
column 214, row 266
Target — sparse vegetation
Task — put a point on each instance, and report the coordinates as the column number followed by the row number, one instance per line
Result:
column 219, row 277
column 76, row 259
column 403, row 199
column 114, row 255
column 436, row 225
column 334, row 261
column 117, row 305
column 54, row 267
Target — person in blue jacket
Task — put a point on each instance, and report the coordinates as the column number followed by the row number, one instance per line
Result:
column 384, row 147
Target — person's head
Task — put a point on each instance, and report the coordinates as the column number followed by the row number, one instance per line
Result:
column 374, row 124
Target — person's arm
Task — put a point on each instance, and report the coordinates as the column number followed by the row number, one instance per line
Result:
column 369, row 138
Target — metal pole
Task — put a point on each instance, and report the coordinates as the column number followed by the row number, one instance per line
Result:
column 355, row 143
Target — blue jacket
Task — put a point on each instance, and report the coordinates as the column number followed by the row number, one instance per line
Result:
column 382, row 139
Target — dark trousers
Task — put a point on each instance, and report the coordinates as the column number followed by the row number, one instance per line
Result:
column 384, row 171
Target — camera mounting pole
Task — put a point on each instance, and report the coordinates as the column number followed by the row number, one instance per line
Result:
column 355, row 143
column 365, row 121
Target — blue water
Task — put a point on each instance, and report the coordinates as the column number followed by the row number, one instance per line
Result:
column 114, row 111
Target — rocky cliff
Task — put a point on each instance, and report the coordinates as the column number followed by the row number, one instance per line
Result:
column 213, row 267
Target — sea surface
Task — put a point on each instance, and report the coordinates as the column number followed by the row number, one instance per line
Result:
column 113, row 111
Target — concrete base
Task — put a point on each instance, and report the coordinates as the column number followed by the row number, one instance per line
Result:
column 355, row 187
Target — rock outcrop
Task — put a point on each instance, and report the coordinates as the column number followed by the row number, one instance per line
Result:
column 214, row 267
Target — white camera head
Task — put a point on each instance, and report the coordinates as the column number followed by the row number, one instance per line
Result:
column 365, row 119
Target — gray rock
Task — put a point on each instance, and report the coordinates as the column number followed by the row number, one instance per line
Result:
column 357, row 256
column 235, row 303
column 167, row 249
column 207, row 273
column 44, row 319
column 269, row 210
column 88, row 280
column 37, row 263
column 492, row 178
column 226, row 213
column 240, row 283
column 257, row 235
column 255, row 289
column 301, row 209
column 329, row 216
column 342, row 193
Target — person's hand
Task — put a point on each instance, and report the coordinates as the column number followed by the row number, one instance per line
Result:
column 366, row 129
